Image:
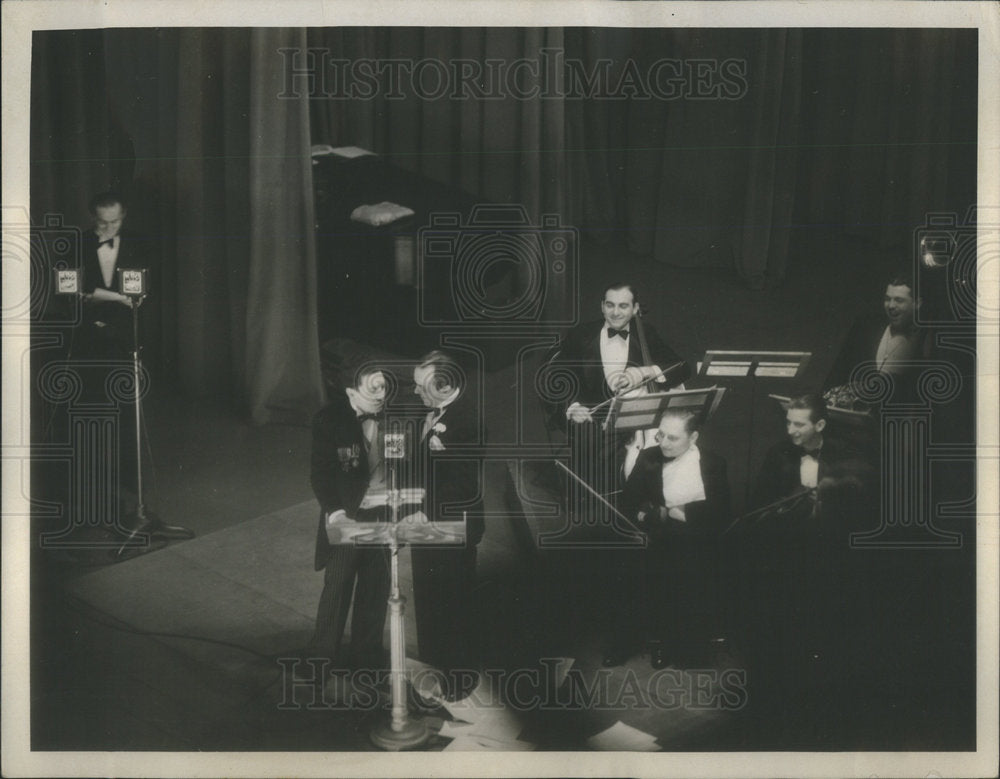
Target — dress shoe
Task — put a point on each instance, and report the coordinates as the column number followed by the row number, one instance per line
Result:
column 159, row 529
column 126, row 552
column 152, row 525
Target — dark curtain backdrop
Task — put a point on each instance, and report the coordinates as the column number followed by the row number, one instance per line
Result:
column 188, row 123
column 862, row 131
column 503, row 150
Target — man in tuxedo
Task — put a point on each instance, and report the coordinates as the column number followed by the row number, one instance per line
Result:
column 679, row 494
column 348, row 473
column 607, row 358
column 795, row 558
column 891, row 340
column 612, row 356
column 104, row 341
column 444, row 578
column 106, row 330
column 800, row 462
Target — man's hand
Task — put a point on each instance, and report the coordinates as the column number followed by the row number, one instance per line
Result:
column 334, row 521
column 578, row 413
column 632, row 378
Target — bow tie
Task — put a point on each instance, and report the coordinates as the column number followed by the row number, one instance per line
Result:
column 366, row 417
column 802, row 452
column 110, row 242
column 623, row 333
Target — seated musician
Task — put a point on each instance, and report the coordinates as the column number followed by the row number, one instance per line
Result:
column 794, row 557
column 617, row 355
column 891, row 340
column 679, row 495
column 798, row 463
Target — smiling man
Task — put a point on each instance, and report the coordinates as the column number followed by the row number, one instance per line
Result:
column 893, row 340
column 607, row 357
column 444, row 577
column 799, row 463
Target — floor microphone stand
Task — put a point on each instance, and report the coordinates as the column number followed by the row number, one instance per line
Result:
column 143, row 523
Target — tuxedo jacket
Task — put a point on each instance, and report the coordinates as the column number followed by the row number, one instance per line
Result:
column 116, row 330
column 339, row 466
column 704, row 517
column 581, row 353
column 861, row 345
column 779, row 475
column 455, row 480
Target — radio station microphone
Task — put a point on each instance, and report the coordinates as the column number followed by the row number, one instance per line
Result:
column 394, row 446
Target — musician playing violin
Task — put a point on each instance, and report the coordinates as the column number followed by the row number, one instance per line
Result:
column 800, row 462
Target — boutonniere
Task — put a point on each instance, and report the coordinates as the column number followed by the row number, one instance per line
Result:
column 434, row 444
column 349, row 456
column 439, row 428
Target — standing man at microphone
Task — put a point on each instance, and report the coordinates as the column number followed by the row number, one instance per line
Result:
column 348, row 466
column 104, row 342
column 444, row 577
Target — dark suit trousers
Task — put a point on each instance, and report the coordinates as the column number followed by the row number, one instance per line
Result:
column 444, row 580
column 681, row 580
column 103, row 359
column 364, row 574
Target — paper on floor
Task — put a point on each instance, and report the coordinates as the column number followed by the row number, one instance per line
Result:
column 623, row 738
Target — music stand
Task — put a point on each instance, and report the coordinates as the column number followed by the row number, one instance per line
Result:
column 642, row 412
column 751, row 364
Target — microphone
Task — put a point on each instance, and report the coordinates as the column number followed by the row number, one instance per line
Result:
column 394, row 446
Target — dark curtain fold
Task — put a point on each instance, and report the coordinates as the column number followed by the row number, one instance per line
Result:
column 216, row 167
column 503, row 150
column 889, row 129
column 70, row 124
column 282, row 343
column 861, row 131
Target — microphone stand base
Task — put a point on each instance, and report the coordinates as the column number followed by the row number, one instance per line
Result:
column 146, row 526
column 414, row 734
